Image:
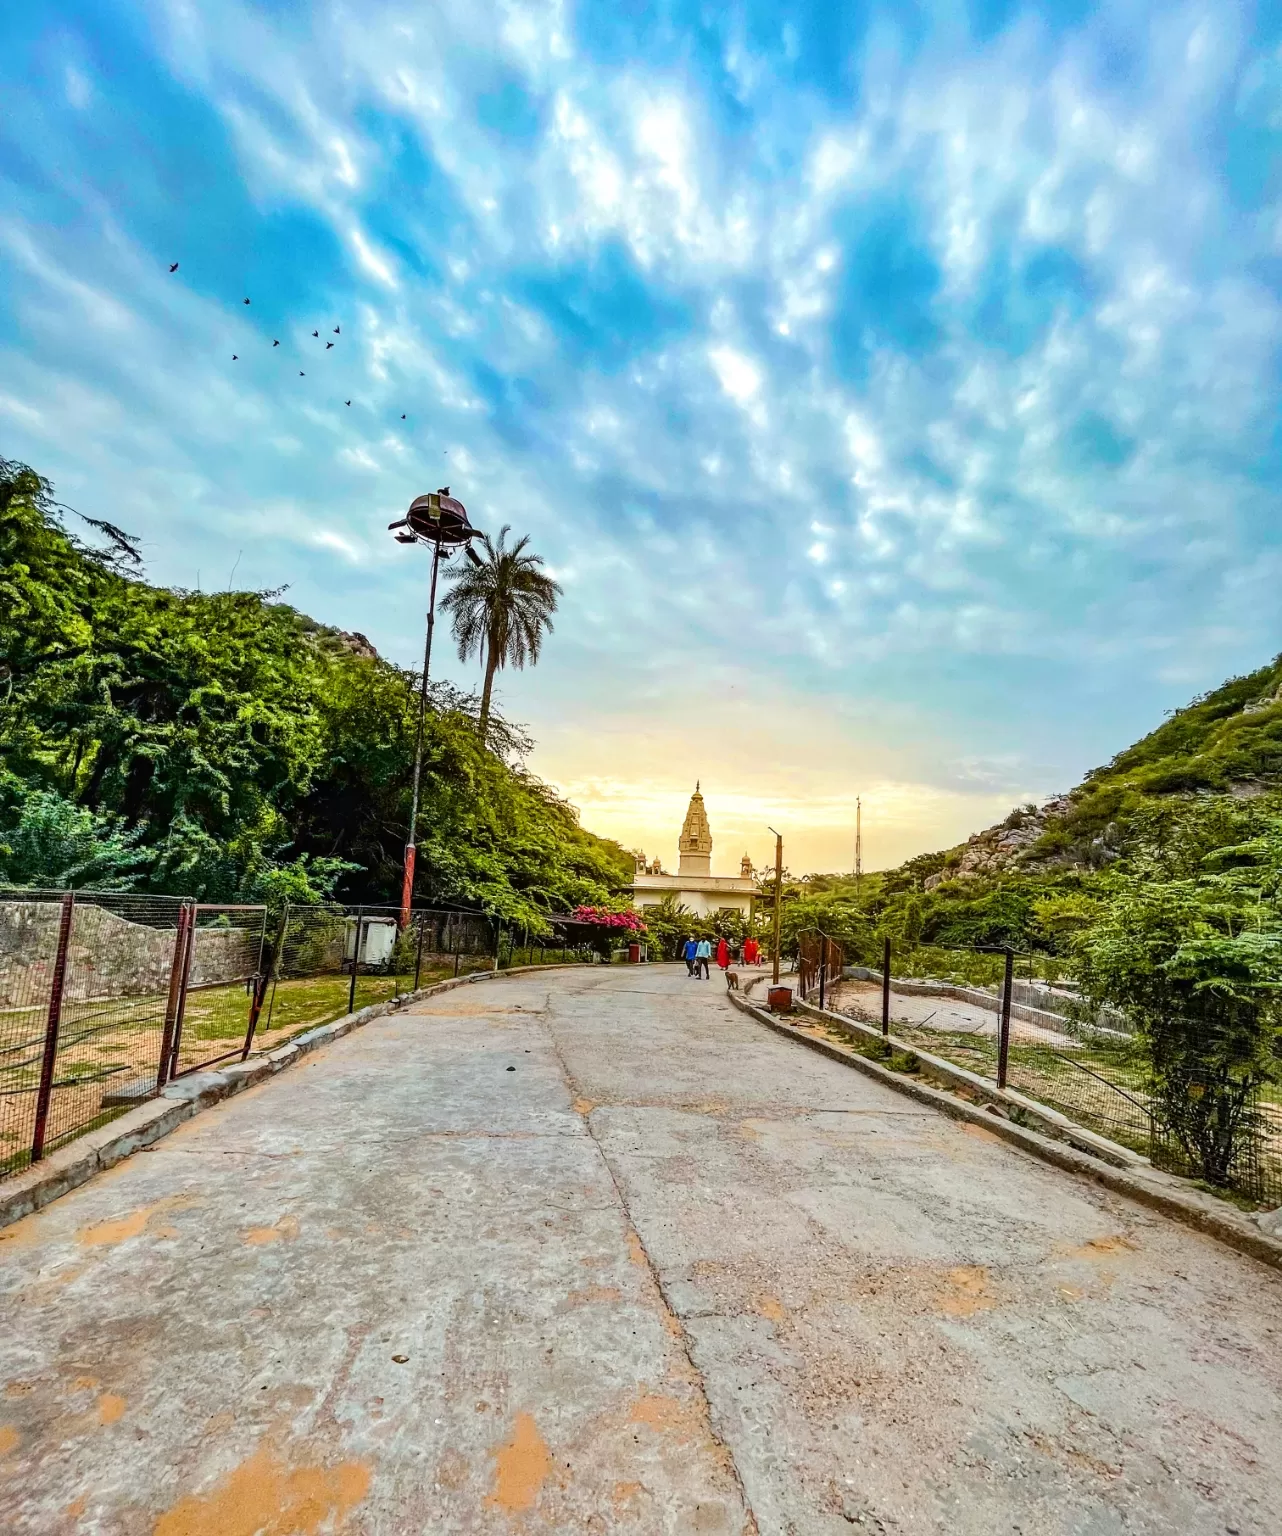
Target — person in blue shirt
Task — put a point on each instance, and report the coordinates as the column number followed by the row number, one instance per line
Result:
column 702, row 955
column 688, row 950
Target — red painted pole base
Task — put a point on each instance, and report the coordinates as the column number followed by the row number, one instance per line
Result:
column 407, row 884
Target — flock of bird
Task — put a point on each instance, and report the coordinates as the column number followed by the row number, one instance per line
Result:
column 302, row 373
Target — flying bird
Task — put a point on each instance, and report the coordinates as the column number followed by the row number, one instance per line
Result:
column 235, row 358
column 336, row 329
column 301, row 374
column 402, row 415
column 315, row 333
column 347, row 402
column 275, row 343
column 173, row 266
column 328, row 345
column 246, row 301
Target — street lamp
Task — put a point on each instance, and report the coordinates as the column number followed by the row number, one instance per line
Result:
column 440, row 520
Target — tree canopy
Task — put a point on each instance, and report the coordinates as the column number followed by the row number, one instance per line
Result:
column 228, row 746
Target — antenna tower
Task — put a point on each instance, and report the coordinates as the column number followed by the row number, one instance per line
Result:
column 859, row 841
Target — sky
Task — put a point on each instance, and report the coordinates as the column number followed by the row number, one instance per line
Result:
column 893, row 389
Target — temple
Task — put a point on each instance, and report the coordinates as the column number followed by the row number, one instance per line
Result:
column 694, row 885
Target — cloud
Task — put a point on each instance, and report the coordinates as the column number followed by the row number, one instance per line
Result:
column 932, row 370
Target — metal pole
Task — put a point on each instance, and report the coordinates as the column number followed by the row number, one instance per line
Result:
column 1003, row 1036
column 778, row 891
column 823, row 967
column 418, row 954
column 171, row 1003
column 184, row 977
column 407, row 882
column 885, row 986
column 53, row 1020
column 356, row 960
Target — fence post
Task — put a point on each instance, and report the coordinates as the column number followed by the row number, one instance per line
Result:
column 1003, row 1034
column 885, row 986
column 356, row 960
column 184, row 977
column 171, row 1002
column 823, row 968
column 53, row 1019
column 418, row 954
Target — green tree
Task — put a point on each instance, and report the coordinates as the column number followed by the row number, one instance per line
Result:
column 500, row 609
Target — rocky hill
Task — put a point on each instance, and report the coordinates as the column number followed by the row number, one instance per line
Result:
column 1227, row 742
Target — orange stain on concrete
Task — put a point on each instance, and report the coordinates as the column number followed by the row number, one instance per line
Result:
column 266, row 1497
column 979, row 1132
column 966, row 1292
column 521, row 1466
column 106, row 1234
column 10, row 1439
column 625, row 1493
column 769, row 1307
column 17, row 1388
column 285, row 1230
column 583, row 1106
column 658, row 1411
column 592, row 1293
column 636, row 1252
column 1103, row 1247
column 111, row 1408
column 76, row 1508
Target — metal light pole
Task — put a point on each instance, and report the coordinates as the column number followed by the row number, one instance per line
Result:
column 778, row 891
column 441, row 521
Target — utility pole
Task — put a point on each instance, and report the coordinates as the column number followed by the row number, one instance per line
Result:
column 859, row 843
column 778, row 894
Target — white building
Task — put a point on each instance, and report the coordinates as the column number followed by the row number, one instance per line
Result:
column 694, row 885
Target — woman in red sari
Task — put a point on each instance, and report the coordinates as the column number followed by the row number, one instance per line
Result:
column 723, row 954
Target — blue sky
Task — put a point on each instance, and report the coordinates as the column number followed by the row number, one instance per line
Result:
column 894, row 389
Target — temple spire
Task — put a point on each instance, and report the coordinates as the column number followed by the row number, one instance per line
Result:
column 695, row 842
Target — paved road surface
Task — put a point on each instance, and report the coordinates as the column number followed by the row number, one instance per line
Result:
column 671, row 1274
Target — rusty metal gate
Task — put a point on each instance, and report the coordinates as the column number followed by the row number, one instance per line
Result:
column 216, row 988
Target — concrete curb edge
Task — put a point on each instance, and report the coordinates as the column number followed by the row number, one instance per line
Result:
column 1205, row 1213
column 78, row 1161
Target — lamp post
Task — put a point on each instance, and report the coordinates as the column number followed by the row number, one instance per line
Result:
column 778, row 890
column 440, row 520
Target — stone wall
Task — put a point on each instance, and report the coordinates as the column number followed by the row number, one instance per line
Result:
column 108, row 956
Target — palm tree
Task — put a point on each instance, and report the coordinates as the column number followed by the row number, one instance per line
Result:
column 500, row 608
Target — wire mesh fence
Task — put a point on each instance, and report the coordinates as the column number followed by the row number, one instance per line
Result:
column 1092, row 1067
column 106, row 996
column 91, row 990
column 332, row 960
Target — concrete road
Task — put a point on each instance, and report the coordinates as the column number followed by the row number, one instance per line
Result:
column 592, row 1252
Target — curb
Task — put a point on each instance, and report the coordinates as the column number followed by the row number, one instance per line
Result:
column 78, row 1161
column 1024, row 1110
column 1203, row 1212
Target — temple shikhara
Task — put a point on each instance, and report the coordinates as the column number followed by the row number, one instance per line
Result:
column 694, row 885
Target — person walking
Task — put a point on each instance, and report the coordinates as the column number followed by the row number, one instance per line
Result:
column 751, row 951
column 702, row 954
column 723, row 954
column 688, row 952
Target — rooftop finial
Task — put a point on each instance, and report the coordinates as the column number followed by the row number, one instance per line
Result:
column 696, row 786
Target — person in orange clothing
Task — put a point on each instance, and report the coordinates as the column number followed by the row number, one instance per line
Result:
column 751, row 951
column 723, row 954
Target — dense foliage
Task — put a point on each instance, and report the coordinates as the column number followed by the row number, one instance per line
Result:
column 227, row 746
